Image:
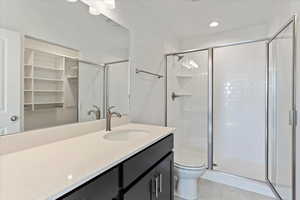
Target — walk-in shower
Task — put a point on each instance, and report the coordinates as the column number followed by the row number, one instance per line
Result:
column 231, row 104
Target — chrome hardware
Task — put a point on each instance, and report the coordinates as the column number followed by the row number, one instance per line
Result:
column 174, row 96
column 156, row 187
column 14, row 118
column 109, row 114
column 97, row 112
column 160, row 183
column 137, row 71
column 293, row 117
column 176, row 181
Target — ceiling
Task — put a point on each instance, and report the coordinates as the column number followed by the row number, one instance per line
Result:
column 187, row 18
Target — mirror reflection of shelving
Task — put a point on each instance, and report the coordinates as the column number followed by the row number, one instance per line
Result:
column 49, row 80
column 50, row 84
column 71, row 68
column 43, row 77
column 71, row 82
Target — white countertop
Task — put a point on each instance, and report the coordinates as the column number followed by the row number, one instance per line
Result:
column 49, row 171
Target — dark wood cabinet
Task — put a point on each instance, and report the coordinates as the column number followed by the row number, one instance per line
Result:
column 164, row 172
column 148, row 175
column 143, row 161
column 104, row 187
column 156, row 184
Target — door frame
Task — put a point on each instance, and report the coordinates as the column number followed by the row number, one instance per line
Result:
column 19, row 78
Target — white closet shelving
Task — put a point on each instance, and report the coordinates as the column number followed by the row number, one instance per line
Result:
column 43, row 79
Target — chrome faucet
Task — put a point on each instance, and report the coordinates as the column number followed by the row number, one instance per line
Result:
column 97, row 112
column 109, row 114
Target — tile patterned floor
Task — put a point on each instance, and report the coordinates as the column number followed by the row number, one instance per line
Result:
column 214, row 191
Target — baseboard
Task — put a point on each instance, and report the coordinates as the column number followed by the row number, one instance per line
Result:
column 238, row 182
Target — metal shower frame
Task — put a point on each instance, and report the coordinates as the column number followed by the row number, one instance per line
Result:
column 106, row 67
column 210, row 50
column 293, row 111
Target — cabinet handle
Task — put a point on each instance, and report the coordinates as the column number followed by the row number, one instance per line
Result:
column 153, row 189
column 160, row 183
column 156, row 187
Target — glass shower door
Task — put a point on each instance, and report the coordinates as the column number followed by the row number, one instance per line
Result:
column 187, row 110
column 280, row 110
column 239, row 109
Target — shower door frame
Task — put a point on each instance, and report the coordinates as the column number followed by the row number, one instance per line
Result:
column 293, row 111
column 106, row 79
column 211, row 108
column 210, row 90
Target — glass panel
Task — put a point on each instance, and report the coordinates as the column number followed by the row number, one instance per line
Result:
column 188, row 110
column 239, row 110
column 91, row 91
column 119, row 87
column 280, row 99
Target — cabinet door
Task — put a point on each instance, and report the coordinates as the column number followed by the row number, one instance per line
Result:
column 156, row 185
column 164, row 174
column 105, row 187
column 142, row 190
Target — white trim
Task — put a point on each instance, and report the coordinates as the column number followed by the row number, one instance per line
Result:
column 239, row 182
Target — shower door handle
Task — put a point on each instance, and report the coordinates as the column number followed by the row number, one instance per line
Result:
column 293, row 117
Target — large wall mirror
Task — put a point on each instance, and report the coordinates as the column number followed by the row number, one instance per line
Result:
column 59, row 65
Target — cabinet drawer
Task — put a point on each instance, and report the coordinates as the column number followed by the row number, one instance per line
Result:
column 143, row 161
column 104, row 187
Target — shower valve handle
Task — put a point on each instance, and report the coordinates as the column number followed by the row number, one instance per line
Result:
column 174, row 96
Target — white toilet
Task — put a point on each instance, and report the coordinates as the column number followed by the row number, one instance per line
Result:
column 186, row 184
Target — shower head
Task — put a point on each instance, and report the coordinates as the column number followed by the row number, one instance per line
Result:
column 179, row 57
column 186, row 62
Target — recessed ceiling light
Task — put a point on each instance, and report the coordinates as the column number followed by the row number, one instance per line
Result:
column 72, row 1
column 214, row 24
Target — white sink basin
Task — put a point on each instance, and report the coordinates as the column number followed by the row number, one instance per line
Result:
column 125, row 135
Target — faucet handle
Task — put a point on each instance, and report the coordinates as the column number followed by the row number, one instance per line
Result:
column 110, row 107
column 97, row 107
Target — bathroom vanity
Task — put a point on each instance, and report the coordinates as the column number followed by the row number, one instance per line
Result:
column 146, row 175
column 133, row 162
